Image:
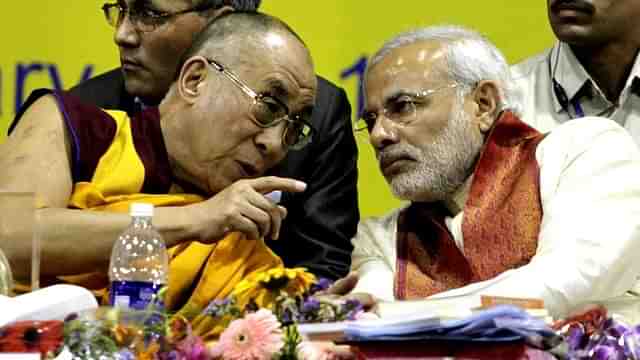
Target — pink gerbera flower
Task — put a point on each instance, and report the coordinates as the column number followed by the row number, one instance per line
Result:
column 255, row 337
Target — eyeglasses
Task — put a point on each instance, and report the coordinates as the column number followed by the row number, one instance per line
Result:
column 143, row 17
column 400, row 109
column 267, row 111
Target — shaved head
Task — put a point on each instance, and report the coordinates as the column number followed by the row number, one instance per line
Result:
column 238, row 30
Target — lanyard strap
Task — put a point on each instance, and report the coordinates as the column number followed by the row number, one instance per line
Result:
column 559, row 92
column 577, row 108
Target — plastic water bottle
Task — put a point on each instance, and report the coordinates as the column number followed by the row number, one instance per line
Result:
column 139, row 261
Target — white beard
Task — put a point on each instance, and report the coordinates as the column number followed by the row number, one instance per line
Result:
column 442, row 166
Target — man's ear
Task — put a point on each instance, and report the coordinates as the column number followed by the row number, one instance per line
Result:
column 486, row 96
column 192, row 78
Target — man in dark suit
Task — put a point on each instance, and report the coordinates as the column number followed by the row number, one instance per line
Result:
column 151, row 37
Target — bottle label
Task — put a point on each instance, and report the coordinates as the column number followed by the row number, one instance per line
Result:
column 132, row 294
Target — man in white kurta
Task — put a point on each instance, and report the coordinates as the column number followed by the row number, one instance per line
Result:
column 588, row 246
column 542, row 107
column 589, row 233
column 592, row 70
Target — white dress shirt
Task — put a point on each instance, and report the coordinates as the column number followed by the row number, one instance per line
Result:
column 543, row 110
column 589, row 243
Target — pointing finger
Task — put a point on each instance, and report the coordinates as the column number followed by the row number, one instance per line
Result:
column 270, row 183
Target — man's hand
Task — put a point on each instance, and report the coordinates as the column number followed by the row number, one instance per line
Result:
column 243, row 207
column 341, row 290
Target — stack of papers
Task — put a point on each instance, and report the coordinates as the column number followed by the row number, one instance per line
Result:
column 459, row 307
column 337, row 331
column 498, row 324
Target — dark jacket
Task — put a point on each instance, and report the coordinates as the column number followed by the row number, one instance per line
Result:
column 322, row 220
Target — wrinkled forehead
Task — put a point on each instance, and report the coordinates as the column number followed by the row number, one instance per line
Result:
column 409, row 67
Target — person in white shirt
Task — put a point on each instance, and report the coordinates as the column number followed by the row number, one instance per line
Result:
column 495, row 207
column 593, row 69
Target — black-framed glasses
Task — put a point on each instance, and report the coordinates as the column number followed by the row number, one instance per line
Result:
column 143, row 17
column 268, row 111
column 400, row 109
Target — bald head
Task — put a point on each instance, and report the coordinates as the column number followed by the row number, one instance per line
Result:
column 244, row 71
column 231, row 36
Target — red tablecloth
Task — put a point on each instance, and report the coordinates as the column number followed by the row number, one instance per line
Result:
column 447, row 350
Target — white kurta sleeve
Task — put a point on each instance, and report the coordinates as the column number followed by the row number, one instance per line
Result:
column 589, row 240
column 374, row 256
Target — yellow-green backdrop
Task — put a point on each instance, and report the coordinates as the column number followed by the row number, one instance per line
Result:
column 48, row 43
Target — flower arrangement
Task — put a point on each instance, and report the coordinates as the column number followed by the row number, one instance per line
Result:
column 256, row 336
column 120, row 334
column 593, row 335
column 258, row 322
column 265, row 327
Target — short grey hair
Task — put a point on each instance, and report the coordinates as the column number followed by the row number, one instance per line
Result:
column 241, row 5
column 470, row 58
